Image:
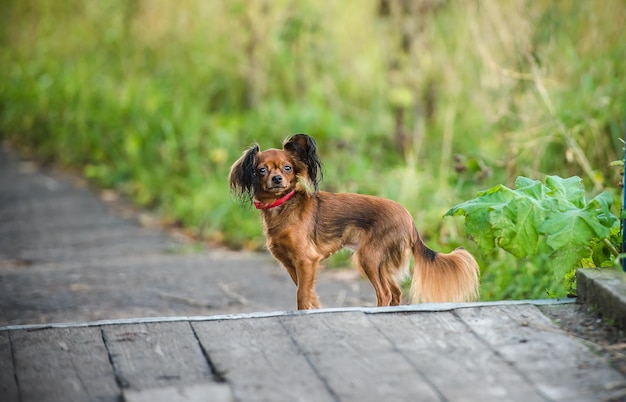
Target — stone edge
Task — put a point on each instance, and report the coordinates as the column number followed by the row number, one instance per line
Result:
column 604, row 290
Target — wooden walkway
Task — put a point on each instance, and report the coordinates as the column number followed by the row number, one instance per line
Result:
column 474, row 352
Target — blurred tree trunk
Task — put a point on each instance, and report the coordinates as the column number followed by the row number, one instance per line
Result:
column 412, row 95
column 254, row 25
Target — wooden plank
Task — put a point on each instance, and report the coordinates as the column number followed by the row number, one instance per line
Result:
column 405, row 308
column 214, row 392
column 259, row 360
column 69, row 364
column 356, row 361
column 8, row 387
column 558, row 365
column 454, row 360
column 156, row 355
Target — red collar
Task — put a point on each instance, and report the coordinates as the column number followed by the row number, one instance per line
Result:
column 276, row 203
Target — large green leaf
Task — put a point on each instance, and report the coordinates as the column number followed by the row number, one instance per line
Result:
column 574, row 228
column 569, row 189
column 602, row 205
column 484, row 200
column 570, row 229
column 569, row 235
column 517, row 224
column 550, row 222
column 531, row 188
column 476, row 212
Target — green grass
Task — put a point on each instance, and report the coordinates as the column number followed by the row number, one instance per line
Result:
column 157, row 99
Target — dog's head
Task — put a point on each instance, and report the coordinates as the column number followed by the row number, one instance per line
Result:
column 270, row 174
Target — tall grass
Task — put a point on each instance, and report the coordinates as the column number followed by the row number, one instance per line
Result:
column 424, row 104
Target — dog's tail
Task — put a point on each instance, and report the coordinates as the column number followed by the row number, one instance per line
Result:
column 440, row 277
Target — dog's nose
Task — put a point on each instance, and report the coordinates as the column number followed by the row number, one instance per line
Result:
column 277, row 179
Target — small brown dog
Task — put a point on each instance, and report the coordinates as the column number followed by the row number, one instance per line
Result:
column 304, row 226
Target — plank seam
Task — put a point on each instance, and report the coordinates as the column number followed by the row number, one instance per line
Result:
column 121, row 382
column 13, row 362
column 218, row 376
column 329, row 389
column 509, row 363
column 410, row 362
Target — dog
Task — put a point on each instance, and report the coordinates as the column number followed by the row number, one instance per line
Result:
column 303, row 226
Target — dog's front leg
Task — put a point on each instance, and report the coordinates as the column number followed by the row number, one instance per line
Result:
column 283, row 255
column 292, row 273
column 302, row 271
column 307, row 298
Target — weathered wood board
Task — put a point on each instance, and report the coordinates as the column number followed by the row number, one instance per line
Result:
column 457, row 362
column 67, row 364
column 260, row 360
column 8, row 386
column 558, row 366
column 212, row 391
column 356, row 361
column 486, row 353
column 156, row 355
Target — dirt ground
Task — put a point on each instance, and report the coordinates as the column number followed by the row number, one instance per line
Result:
column 586, row 324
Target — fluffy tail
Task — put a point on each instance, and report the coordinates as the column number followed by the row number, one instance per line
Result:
column 440, row 277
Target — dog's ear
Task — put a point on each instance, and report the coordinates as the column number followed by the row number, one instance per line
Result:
column 243, row 179
column 304, row 150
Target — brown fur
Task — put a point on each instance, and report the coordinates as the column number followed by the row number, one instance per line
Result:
column 312, row 225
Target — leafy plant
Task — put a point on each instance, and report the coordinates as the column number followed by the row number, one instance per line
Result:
column 550, row 222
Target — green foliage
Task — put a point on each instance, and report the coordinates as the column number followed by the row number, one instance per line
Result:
column 551, row 223
column 424, row 105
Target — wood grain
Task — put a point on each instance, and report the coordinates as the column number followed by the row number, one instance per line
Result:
column 558, row 365
column 458, row 363
column 258, row 358
column 213, row 392
column 8, row 387
column 486, row 353
column 356, row 361
column 156, row 355
column 69, row 364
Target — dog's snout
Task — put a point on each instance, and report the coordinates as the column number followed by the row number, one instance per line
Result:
column 278, row 179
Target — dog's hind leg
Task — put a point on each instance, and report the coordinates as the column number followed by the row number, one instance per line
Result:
column 388, row 279
column 371, row 265
column 396, row 292
column 395, row 275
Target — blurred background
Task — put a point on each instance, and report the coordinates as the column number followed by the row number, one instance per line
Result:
column 424, row 102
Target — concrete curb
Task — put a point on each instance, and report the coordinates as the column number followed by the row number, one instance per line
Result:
column 605, row 290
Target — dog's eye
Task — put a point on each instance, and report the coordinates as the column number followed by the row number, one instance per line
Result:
column 263, row 171
column 287, row 168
